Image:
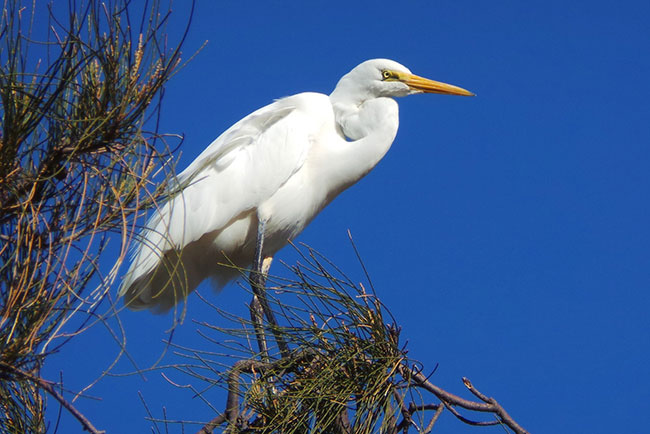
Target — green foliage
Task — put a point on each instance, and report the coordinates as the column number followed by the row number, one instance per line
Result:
column 75, row 164
column 343, row 372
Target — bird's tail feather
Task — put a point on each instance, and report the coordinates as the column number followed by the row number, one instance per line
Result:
column 174, row 277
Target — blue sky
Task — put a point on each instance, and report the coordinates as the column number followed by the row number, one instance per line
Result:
column 507, row 233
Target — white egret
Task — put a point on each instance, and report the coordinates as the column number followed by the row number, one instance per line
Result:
column 261, row 182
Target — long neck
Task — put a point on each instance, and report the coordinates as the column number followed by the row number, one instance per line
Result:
column 370, row 129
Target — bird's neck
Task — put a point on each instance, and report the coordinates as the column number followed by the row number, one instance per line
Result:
column 370, row 128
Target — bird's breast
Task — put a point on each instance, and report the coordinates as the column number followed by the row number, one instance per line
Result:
column 291, row 209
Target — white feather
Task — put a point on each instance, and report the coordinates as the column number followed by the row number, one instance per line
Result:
column 282, row 165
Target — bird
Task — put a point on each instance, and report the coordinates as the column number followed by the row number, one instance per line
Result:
column 264, row 179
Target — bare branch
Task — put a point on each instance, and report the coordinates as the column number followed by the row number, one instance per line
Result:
column 489, row 405
column 49, row 388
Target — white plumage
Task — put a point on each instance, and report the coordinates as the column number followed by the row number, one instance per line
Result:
column 282, row 164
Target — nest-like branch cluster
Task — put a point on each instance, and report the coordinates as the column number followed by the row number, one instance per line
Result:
column 344, row 370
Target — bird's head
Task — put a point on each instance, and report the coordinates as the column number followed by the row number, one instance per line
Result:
column 387, row 78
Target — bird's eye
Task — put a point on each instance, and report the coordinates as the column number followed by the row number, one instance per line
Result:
column 386, row 75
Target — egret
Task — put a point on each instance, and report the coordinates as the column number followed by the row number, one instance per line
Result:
column 262, row 181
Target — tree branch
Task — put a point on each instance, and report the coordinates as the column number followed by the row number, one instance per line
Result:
column 489, row 405
column 48, row 386
column 346, row 374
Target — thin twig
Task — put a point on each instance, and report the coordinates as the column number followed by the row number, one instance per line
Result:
column 435, row 417
column 210, row 426
column 49, row 388
column 489, row 405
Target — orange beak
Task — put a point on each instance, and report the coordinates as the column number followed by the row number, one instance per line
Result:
column 421, row 84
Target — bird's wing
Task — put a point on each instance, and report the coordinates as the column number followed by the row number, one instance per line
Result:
column 243, row 167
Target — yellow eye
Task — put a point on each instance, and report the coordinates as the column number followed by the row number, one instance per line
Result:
column 386, row 75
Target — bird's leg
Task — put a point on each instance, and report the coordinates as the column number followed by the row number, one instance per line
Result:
column 257, row 313
column 257, row 318
column 260, row 303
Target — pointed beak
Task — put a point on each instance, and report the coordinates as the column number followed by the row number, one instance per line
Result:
column 421, row 84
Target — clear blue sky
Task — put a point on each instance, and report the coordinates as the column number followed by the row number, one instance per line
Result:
column 508, row 233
